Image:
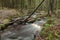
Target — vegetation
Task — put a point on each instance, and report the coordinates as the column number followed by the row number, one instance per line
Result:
column 49, row 9
column 51, row 33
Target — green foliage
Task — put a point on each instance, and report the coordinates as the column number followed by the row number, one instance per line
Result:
column 50, row 36
column 49, row 23
column 50, row 32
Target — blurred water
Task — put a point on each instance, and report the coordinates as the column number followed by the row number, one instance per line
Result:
column 26, row 32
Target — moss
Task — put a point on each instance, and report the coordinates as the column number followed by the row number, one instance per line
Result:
column 6, row 21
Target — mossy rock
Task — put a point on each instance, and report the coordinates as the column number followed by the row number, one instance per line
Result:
column 6, row 21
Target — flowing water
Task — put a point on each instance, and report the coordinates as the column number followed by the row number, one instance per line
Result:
column 26, row 32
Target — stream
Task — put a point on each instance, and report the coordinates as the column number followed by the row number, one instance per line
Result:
column 26, row 32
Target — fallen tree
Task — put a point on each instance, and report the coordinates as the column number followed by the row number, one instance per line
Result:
column 21, row 21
